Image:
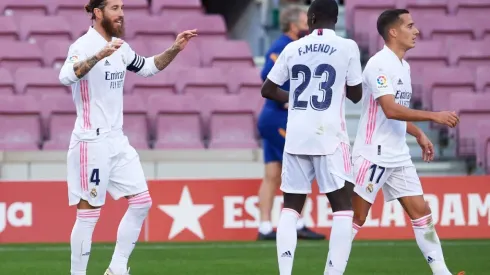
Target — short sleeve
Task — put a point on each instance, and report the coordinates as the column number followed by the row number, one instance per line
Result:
column 279, row 73
column 354, row 70
column 379, row 82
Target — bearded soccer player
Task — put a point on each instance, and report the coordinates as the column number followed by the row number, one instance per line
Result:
column 323, row 69
column 381, row 155
column 100, row 158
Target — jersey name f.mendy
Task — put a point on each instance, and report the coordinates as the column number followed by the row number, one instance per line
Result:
column 381, row 140
column 318, row 67
column 98, row 96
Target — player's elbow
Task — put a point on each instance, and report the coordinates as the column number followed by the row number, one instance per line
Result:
column 390, row 113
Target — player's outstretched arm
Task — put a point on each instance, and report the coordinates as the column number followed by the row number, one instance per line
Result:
column 163, row 60
column 354, row 93
column 272, row 91
column 396, row 111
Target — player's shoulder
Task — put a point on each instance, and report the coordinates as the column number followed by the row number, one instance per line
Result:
column 82, row 42
column 347, row 41
column 377, row 61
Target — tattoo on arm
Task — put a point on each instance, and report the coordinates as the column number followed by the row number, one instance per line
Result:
column 83, row 67
column 163, row 60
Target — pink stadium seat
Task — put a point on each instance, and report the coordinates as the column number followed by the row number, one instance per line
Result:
column 164, row 83
column 201, row 82
column 183, row 7
column 441, row 83
column 7, row 86
column 79, row 24
column 141, row 48
column 38, row 29
column 477, row 8
column 178, row 121
column 470, row 54
column 75, row 7
column 445, row 28
column 425, row 7
column 244, row 80
column 25, row 7
column 231, row 122
column 55, row 53
column 20, row 115
column 483, row 79
column 226, row 54
column 38, row 81
column 211, row 27
column 9, row 30
column 483, row 138
column 20, row 54
column 59, row 114
column 135, row 121
column 427, row 54
column 190, row 57
column 150, row 28
column 358, row 11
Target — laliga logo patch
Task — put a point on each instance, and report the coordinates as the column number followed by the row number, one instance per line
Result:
column 381, row 81
column 73, row 58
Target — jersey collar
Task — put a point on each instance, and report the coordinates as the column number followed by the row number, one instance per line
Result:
column 95, row 34
column 392, row 54
column 323, row 32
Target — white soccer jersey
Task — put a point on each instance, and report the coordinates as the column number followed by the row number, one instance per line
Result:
column 98, row 96
column 379, row 139
column 318, row 67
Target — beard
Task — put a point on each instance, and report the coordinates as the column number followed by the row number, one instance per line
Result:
column 111, row 29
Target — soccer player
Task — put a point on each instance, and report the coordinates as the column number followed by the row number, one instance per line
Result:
column 317, row 144
column 381, row 156
column 272, row 128
column 100, row 158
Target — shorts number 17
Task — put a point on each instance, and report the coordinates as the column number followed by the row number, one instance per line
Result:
column 375, row 167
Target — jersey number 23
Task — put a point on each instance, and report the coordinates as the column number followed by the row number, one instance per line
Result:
column 325, row 86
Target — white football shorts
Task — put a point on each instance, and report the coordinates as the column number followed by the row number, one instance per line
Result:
column 330, row 171
column 397, row 182
column 108, row 164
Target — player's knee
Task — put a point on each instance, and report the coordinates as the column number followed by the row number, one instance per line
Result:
column 359, row 219
column 142, row 202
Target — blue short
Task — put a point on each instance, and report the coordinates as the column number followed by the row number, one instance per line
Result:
column 272, row 129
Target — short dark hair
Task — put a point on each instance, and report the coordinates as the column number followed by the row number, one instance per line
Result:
column 386, row 19
column 324, row 10
column 95, row 4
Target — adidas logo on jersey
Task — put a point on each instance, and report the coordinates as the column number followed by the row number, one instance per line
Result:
column 107, row 63
column 429, row 260
column 400, row 82
column 286, row 254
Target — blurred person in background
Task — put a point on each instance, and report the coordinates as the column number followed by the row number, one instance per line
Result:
column 272, row 127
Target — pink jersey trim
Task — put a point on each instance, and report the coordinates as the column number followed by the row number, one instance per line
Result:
column 83, row 166
column 345, row 153
column 362, row 172
column 371, row 125
column 342, row 123
column 86, row 103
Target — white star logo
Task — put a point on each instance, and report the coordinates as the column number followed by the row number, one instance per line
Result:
column 186, row 215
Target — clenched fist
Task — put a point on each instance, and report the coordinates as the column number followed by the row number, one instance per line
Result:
column 450, row 119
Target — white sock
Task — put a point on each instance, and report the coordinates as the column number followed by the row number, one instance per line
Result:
column 300, row 224
column 429, row 244
column 265, row 227
column 340, row 243
column 355, row 229
column 129, row 231
column 286, row 240
column 81, row 239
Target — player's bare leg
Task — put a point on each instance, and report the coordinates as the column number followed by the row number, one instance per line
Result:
column 267, row 192
column 425, row 234
column 287, row 237
column 81, row 237
column 129, row 231
column 361, row 210
column 340, row 236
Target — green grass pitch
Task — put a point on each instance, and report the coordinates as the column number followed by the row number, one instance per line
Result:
column 250, row 258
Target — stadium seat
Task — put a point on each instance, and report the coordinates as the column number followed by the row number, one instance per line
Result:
column 55, row 53
column 211, row 27
column 177, row 121
column 483, row 138
column 9, row 30
column 18, row 8
column 7, row 86
column 470, row 54
column 74, row 7
column 79, row 24
column 231, row 122
column 163, row 83
column 60, row 115
column 445, row 28
column 441, row 83
column 482, row 79
column 244, row 80
column 476, row 8
column 487, row 159
column 427, row 54
column 183, row 7
column 20, row 54
column 140, row 47
column 226, row 54
column 190, row 57
column 38, row 29
column 135, row 123
column 38, row 81
column 150, row 28
column 201, row 82
column 20, row 115
column 425, row 7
